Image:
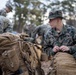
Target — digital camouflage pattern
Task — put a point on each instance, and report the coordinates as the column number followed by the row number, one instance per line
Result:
column 5, row 25
column 66, row 37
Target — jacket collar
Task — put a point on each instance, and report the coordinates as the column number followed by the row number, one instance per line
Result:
column 63, row 31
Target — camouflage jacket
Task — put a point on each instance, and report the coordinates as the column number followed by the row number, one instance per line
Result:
column 5, row 25
column 66, row 37
column 3, row 12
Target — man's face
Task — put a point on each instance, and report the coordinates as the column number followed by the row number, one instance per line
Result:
column 53, row 23
column 7, row 10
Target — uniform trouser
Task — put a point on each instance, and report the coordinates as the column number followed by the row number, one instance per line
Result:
column 64, row 64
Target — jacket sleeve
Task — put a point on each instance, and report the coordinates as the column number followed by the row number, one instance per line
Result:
column 73, row 47
column 9, row 27
column 1, row 28
column 48, row 43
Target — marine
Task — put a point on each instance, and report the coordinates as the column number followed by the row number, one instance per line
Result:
column 60, row 45
column 40, row 32
column 7, row 9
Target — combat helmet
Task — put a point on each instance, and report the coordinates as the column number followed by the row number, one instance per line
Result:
column 9, row 5
column 55, row 14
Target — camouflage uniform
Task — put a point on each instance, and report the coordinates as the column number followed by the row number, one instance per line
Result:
column 5, row 25
column 41, row 30
column 63, row 62
column 66, row 37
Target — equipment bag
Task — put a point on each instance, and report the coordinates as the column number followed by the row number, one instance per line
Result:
column 11, row 60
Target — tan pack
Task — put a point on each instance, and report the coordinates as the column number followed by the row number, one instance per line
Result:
column 11, row 60
column 64, row 64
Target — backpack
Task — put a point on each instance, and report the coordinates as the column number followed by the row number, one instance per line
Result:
column 8, row 51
